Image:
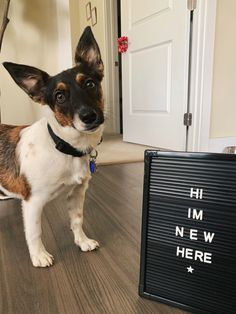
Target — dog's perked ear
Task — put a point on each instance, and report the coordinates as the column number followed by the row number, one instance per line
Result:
column 30, row 79
column 88, row 50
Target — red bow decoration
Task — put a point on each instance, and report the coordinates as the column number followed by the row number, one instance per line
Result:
column 122, row 44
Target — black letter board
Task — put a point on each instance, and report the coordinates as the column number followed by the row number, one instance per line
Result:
column 188, row 249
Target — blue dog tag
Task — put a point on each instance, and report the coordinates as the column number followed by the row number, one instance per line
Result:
column 92, row 165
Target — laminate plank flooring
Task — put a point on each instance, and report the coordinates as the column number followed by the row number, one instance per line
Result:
column 102, row 281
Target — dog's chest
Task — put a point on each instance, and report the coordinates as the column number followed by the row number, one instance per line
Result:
column 75, row 171
column 72, row 175
column 46, row 169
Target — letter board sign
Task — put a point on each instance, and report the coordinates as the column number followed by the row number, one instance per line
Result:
column 188, row 249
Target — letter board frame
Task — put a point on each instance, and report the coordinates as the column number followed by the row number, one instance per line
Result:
column 168, row 251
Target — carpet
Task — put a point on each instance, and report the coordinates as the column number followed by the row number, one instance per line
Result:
column 113, row 150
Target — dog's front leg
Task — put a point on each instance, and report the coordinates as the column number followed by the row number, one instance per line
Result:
column 32, row 210
column 75, row 205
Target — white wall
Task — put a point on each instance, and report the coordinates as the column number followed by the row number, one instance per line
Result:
column 223, row 115
column 38, row 34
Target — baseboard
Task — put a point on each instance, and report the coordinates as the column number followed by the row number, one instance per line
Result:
column 217, row 145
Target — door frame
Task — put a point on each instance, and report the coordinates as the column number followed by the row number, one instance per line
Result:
column 204, row 22
column 201, row 71
column 111, row 31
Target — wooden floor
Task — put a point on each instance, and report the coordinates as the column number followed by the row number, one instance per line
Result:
column 105, row 281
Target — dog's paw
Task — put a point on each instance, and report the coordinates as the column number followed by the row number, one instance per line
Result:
column 42, row 259
column 87, row 244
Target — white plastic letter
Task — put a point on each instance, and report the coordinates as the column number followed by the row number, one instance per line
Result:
column 195, row 214
column 180, row 251
column 197, row 193
column 189, row 253
column 179, row 231
column 193, row 234
column 208, row 236
column 207, row 258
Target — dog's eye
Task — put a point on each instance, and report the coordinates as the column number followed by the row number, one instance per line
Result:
column 60, row 97
column 90, row 84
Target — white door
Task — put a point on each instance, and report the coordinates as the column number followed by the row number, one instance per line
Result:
column 155, row 71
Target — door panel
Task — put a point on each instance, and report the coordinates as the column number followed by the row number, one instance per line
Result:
column 154, row 71
column 139, row 11
column 148, row 73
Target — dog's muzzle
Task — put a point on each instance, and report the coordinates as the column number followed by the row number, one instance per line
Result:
column 91, row 118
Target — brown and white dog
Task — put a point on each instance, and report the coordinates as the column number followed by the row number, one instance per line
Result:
column 36, row 170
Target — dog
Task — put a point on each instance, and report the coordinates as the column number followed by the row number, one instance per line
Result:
column 56, row 154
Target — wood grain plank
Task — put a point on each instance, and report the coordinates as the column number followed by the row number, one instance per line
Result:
column 25, row 289
column 103, row 281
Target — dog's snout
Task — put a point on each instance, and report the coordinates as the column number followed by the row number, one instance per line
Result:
column 88, row 116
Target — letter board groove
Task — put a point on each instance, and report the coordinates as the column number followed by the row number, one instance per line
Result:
column 188, row 245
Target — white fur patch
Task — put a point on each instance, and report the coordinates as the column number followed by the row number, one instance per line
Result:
column 79, row 125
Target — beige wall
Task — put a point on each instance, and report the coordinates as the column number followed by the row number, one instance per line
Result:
column 38, row 34
column 74, row 24
column 79, row 22
column 223, row 117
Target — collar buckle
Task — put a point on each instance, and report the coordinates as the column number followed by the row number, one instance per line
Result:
column 60, row 146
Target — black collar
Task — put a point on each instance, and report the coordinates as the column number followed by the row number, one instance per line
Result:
column 65, row 147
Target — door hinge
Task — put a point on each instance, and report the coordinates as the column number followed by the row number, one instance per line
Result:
column 192, row 4
column 187, row 119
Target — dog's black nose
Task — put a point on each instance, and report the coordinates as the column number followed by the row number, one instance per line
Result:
column 88, row 116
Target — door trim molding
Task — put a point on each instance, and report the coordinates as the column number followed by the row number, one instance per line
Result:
column 64, row 35
column 202, row 74
column 112, row 97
